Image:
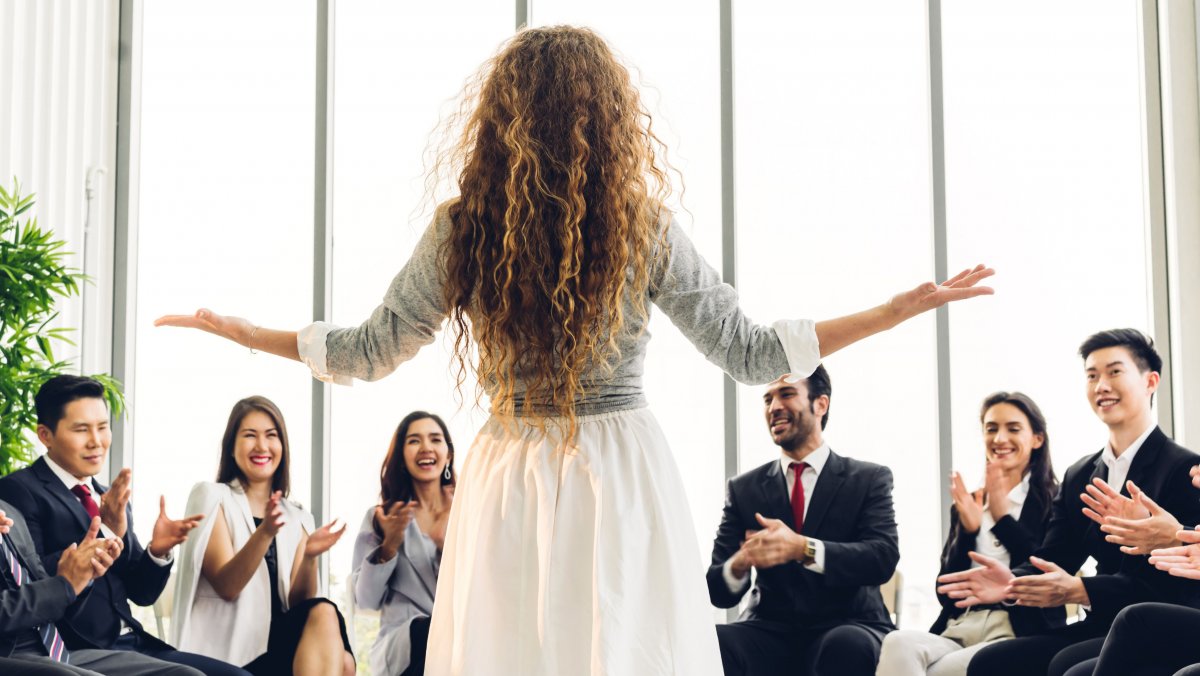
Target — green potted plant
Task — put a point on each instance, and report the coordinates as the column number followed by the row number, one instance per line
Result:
column 33, row 278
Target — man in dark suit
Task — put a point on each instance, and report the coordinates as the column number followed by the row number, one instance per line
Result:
column 820, row 531
column 33, row 605
column 58, row 496
column 1122, row 371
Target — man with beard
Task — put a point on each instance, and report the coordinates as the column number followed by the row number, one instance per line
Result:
column 820, row 531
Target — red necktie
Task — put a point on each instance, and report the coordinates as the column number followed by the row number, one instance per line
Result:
column 798, row 495
column 84, row 494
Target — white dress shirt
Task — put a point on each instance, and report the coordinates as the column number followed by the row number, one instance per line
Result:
column 1118, row 465
column 990, row 545
column 808, row 480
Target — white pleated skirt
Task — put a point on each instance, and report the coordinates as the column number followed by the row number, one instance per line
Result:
column 573, row 562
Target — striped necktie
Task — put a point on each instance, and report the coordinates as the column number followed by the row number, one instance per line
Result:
column 47, row 632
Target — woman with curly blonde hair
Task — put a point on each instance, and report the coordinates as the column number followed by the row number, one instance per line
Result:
column 568, row 549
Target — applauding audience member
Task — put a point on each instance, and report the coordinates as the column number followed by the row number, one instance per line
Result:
column 1004, row 520
column 248, row 589
column 58, row 496
column 34, row 605
column 1122, row 371
column 1157, row 638
column 820, row 531
column 399, row 546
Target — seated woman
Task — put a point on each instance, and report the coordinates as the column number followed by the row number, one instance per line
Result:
column 1151, row 639
column 399, row 546
column 247, row 590
column 1004, row 520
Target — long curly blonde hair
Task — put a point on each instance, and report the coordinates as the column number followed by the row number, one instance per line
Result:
column 561, row 185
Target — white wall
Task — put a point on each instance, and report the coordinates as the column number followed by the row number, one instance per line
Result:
column 58, row 77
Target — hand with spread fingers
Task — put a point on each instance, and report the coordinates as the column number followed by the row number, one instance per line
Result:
column 929, row 296
column 1054, row 587
column 1181, row 561
column 1142, row 536
column 975, row 586
column 169, row 532
column 968, row 506
column 1104, row 501
column 775, row 544
column 323, row 539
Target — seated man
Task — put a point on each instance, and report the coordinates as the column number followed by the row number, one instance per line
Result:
column 32, row 603
column 820, row 530
column 1122, row 370
column 58, row 496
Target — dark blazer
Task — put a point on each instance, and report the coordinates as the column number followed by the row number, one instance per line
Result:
column 40, row 599
column 850, row 511
column 56, row 519
column 1020, row 537
column 1160, row 468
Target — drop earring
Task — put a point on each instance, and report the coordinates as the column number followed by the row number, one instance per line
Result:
column 447, row 475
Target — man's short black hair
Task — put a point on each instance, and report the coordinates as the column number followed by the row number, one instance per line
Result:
column 1139, row 345
column 53, row 396
column 818, row 384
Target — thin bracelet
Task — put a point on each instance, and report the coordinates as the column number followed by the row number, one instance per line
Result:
column 252, row 332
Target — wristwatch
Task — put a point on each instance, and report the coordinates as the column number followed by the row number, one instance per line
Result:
column 810, row 550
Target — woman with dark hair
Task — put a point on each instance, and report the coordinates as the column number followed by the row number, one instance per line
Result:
column 1005, row 520
column 247, row 589
column 570, row 548
column 399, row 546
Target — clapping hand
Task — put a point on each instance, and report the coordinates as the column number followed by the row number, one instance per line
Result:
column 113, row 502
column 5, row 523
column 273, row 515
column 167, row 532
column 322, row 539
column 776, row 543
column 1103, row 501
column 970, row 508
column 975, row 586
column 997, row 491
column 1182, row 561
column 80, row 563
column 1142, row 536
column 1054, row 587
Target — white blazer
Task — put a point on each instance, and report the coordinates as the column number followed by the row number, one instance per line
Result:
column 202, row 622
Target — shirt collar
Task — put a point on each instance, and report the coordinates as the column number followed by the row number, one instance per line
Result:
column 1126, row 458
column 66, row 477
column 816, row 460
column 1019, row 492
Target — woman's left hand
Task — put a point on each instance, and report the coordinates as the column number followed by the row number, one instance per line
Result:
column 323, row 539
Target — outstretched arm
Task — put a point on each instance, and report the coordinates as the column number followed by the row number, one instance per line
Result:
column 238, row 330
column 834, row 334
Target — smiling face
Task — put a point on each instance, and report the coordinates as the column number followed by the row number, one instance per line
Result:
column 79, row 441
column 258, row 449
column 1009, row 438
column 1118, row 392
column 794, row 421
column 425, row 451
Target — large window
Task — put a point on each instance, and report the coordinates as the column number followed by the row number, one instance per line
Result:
column 833, row 191
column 833, row 215
column 1044, row 165
column 225, row 222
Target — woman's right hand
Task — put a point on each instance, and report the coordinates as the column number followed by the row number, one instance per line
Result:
column 392, row 523
column 970, row 509
column 273, row 519
column 236, row 329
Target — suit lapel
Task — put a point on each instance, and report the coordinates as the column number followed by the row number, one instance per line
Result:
column 778, row 504
column 832, row 476
column 416, row 550
column 54, row 487
column 1146, row 458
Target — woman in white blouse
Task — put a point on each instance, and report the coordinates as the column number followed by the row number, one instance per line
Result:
column 1005, row 520
column 399, row 547
column 247, row 590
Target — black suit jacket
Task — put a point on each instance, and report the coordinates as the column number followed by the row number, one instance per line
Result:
column 56, row 519
column 40, row 599
column 1020, row 537
column 850, row 511
column 1160, row 468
